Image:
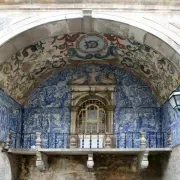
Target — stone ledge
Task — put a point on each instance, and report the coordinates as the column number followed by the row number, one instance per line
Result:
column 80, row 151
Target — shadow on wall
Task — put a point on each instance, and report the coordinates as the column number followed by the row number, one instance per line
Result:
column 107, row 167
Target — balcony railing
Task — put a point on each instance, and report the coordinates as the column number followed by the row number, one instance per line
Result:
column 66, row 140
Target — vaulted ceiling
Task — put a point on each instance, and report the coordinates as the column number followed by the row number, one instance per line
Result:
column 26, row 68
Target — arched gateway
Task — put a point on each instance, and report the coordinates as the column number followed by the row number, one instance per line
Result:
column 100, row 78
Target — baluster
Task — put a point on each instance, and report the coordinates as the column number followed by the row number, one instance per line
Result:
column 15, row 140
column 48, row 140
column 142, row 139
column 132, row 140
column 163, row 139
column 23, row 140
column 125, row 140
column 117, row 140
column 90, row 140
column 38, row 140
column 83, row 141
column 30, row 141
column 156, row 140
column 98, row 140
column 149, row 139
column 55, row 139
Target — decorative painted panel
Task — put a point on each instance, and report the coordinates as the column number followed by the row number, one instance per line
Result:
column 171, row 122
column 10, row 116
column 47, row 109
column 28, row 67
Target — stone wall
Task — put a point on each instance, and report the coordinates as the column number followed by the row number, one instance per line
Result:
column 171, row 170
column 107, row 167
column 9, row 165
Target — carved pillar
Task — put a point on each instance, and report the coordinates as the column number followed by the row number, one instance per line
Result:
column 7, row 145
column 142, row 139
column 41, row 161
column 38, row 140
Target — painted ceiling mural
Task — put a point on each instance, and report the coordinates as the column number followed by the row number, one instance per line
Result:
column 27, row 68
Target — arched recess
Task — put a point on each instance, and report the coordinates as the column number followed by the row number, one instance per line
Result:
column 163, row 57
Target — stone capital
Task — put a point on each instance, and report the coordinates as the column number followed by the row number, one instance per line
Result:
column 74, row 108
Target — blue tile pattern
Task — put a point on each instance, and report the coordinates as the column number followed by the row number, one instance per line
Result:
column 10, row 116
column 47, row 109
column 171, row 122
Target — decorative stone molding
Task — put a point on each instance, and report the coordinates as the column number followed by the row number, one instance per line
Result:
column 38, row 140
column 73, row 141
column 90, row 162
column 143, row 161
column 84, row 88
column 41, row 161
column 142, row 139
column 7, row 145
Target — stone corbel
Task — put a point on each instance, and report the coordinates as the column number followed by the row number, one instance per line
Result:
column 90, row 161
column 143, row 161
column 41, row 161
